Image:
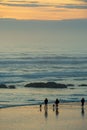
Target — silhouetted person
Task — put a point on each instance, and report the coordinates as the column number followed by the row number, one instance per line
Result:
column 46, row 105
column 57, row 102
column 40, row 107
column 82, row 102
column 46, row 101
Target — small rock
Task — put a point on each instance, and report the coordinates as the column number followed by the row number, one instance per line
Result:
column 11, row 86
column 3, row 86
column 82, row 85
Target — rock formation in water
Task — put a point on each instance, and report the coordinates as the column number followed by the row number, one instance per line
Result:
column 3, row 86
column 46, row 85
column 7, row 87
column 11, row 86
column 82, row 85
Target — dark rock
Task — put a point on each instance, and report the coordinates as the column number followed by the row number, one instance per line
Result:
column 82, row 85
column 3, row 86
column 46, row 85
column 11, row 86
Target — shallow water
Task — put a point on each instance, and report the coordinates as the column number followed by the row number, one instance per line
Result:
column 21, row 68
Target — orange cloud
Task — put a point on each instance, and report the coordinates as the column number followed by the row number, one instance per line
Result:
column 41, row 10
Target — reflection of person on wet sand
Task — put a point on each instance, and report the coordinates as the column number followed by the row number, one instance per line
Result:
column 53, row 107
column 46, row 113
column 82, row 111
column 57, row 112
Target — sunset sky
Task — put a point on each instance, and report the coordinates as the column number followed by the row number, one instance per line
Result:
column 43, row 9
column 43, row 23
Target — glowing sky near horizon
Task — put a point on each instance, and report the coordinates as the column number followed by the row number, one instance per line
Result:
column 43, row 9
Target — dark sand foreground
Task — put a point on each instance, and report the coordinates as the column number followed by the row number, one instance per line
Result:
column 68, row 117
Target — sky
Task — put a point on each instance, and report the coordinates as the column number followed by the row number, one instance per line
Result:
column 43, row 9
column 43, row 24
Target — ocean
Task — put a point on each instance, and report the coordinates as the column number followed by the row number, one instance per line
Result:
column 23, row 67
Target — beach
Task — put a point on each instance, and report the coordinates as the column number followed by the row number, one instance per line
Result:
column 43, row 54
column 68, row 116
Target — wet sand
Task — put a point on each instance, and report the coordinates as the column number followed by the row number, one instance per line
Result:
column 67, row 117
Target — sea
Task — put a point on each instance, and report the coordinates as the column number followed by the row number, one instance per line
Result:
column 23, row 67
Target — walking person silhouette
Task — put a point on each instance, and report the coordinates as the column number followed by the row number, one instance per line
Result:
column 82, row 102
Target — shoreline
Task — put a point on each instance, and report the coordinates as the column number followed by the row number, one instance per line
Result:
column 4, row 106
